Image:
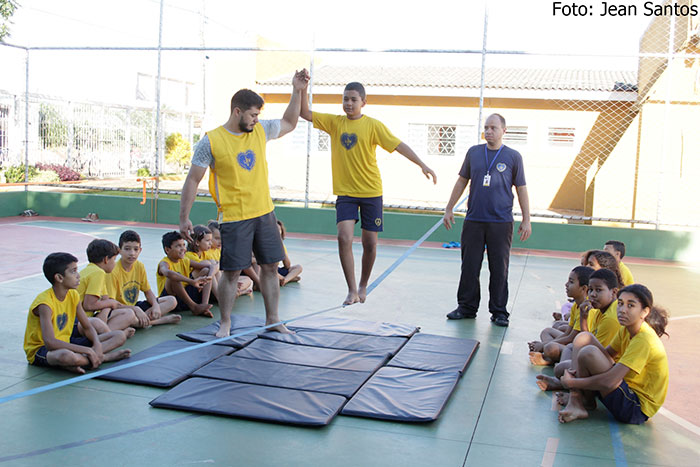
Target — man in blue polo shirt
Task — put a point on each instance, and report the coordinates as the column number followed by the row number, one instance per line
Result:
column 493, row 170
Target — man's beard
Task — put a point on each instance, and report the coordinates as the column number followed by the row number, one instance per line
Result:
column 244, row 128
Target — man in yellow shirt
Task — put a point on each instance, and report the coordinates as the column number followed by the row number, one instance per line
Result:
column 356, row 179
column 238, row 182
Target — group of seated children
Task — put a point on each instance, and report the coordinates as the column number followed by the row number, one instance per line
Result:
column 610, row 348
column 80, row 321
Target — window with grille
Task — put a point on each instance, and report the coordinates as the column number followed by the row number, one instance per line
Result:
column 560, row 136
column 515, row 135
column 442, row 140
column 324, row 141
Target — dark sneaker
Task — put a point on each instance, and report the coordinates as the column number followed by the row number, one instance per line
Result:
column 500, row 320
column 460, row 313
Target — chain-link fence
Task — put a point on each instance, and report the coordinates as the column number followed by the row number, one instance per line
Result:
column 603, row 136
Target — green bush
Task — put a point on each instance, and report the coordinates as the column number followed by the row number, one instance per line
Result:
column 178, row 151
column 15, row 173
column 45, row 176
column 143, row 172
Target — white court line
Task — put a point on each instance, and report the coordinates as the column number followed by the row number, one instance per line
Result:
column 507, row 348
column 680, row 421
column 10, row 281
column 674, row 318
column 550, row 452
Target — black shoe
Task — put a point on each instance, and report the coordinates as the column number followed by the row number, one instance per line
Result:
column 500, row 320
column 460, row 313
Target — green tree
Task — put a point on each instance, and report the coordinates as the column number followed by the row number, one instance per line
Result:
column 7, row 9
column 178, row 151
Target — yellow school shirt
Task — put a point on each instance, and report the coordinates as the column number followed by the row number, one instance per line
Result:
column 626, row 274
column 124, row 286
column 63, row 319
column 93, row 281
column 213, row 254
column 238, row 182
column 604, row 326
column 575, row 317
column 645, row 356
column 182, row 266
column 353, row 152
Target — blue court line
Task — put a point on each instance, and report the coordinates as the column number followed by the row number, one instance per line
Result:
column 114, row 368
column 618, row 446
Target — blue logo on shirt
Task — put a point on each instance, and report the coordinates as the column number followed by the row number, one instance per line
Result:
column 246, row 159
column 348, row 140
column 61, row 321
column 131, row 293
column 500, row 167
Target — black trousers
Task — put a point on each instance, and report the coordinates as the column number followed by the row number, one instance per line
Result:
column 497, row 237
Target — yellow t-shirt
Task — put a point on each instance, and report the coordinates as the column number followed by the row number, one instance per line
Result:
column 626, row 274
column 353, row 152
column 575, row 317
column 195, row 256
column 238, row 183
column 93, row 281
column 604, row 326
column 645, row 356
column 182, row 266
column 213, row 254
column 63, row 319
column 124, row 286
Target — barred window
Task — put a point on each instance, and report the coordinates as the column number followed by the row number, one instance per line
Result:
column 560, row 136
column 441, row 140
column 515, row 135
column 324, row 141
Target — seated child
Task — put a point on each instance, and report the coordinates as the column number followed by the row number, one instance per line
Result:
column 129, row 277
column 287, row 272
column 200, row 250
column 617, row 249
column 598, row 315
column 52, row 338
column 245, row 284
column 630, row 374
column 94, row 294
column 599, row 259
column 174, row 277
column 548, row 350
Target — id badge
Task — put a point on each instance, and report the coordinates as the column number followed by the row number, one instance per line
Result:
column 487, row 180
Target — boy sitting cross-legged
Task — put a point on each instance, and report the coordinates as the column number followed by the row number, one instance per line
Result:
column 129, row 277
column 174, row 277
column 52, row 338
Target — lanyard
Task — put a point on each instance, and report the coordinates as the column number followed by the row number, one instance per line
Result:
column 486, row 156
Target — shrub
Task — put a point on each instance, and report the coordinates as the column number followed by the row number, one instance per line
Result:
column 45, row 176
column 65, row 174
column 178, row 151
column 15, row 173
column 143, row 172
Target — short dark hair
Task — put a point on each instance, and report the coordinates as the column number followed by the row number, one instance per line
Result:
column 99, row 249
column 617, row 246
column 171, row 237
column 500, row 117
column 607, row 261
column 607, row 276
column 129, row 236
column 246, row 99
column 583, row 274
column 355, row 86
column 57, row 263
column 282, row 229
column 213, row 225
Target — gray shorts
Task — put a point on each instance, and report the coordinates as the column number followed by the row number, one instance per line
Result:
column 240, row 239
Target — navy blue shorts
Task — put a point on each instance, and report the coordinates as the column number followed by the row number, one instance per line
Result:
column 193, row 292
column 143, row 304
column 241, row 239
column 371, row 211
column 75, row 338
column 283, row 271
column 624, row 405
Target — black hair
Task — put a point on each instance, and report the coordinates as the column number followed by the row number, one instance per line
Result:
column 170, row 237
column 129, row 236
column 617, row 246
column 607, row 276
column 658, row 316
column 607, row 261
column 583, row 274
column 355, row 86
column 57, row 263
column 283, row 232
column 99, row 249
column 246, row 99
column 500, row 118
column 213, row 225
column 198, row 233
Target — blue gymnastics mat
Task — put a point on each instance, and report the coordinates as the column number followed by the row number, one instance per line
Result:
column 168, row 371
column 427, row 355
column 339, row 340
column 354, row 326
column 288, row 406
column 239, row 323
column 403, row 395
column 285, row 375
column 273, row 351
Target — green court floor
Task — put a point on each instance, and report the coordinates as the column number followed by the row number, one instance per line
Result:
column 496, row 417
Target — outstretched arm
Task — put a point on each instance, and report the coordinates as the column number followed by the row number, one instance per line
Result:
column 189, row 191
column 449, row 218
column 291, row 115
column 306, row 112
column 406, row 151
column 525, row 228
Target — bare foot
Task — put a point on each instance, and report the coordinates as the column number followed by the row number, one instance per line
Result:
column 362, row 293
column 572, row 412
column 535, row 346
column 129, row 332
column 115, row 355
column 169, row 319
column 281, row 328
column 75, row 369
column 536, row 358
column 557, row 316
column 351, row 298
column 224, row 329
column 562, row 398
column 202, row 309
column 549, row 383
